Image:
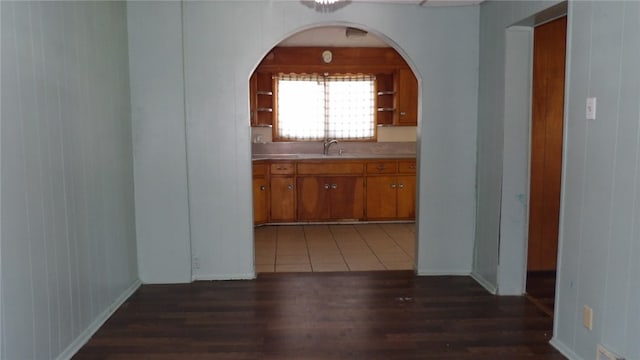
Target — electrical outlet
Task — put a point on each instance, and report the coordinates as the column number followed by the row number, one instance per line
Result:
column 587, row 317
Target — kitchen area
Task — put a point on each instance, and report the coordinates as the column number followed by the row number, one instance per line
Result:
column 342, row 198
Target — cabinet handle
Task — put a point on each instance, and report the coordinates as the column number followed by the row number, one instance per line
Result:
column 393, row 186
column 401, row 186
column 290, row 187
column 262, row 187
column 326, row 186
column 380, row 167
column 334, row 186
column 402, row 113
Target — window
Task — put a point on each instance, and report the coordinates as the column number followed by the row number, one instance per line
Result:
column 317, row 107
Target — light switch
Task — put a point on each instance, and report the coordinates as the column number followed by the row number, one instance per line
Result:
column 591, row 108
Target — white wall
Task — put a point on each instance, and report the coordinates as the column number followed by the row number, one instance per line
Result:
column 495, row 18
column 68, row 240
column 514, row 219
column 160, row 159
column 600, row 222
column 225, row 40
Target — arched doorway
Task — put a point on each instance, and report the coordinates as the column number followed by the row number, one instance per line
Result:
column 371, row 224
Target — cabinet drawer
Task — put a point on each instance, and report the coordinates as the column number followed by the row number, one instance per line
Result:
column 330, row 168
column 407, row 166
column 285, row 168
column 382, row 167
column 260, row 168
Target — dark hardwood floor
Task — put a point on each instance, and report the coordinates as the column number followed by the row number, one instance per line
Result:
column 541, row 289
column 368, row 315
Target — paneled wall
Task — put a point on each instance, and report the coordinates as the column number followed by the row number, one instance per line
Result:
column 599, row 258
column 160, row 156
column 600, row 222
column 68, row 235
column 223, row 42
column 492, row 187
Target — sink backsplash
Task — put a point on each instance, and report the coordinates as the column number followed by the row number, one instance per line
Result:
column 316, row 147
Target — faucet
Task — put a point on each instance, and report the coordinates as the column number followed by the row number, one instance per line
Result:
column 327, row 144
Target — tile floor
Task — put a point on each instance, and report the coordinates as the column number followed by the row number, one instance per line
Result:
column 360, row 247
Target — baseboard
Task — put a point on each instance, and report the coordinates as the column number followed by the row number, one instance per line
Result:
column 564, row 350
column 245, row 276
column 484, row 283
column 82, row 339
column 442, row 272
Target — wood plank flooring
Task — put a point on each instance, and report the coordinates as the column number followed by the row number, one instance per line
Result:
column 358, row 315
column 541, row 289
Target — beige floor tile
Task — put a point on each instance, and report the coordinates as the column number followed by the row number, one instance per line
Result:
column 388, row 247
column 393, row 257
column 292, row 259
column 325, row 254
column 312, row 232
column 323, row 248
column 362, row 246
column 291, row 250
column 326, row 259
column 355, row 251
column 261, row 268
column 265, row 253
column 344, row 232
column 365, row 266
column 398, row 265
column 325, row 267
column 293, row 232
column 361, row 258
column 265, row 260
column 352, row 244
column 294, row 268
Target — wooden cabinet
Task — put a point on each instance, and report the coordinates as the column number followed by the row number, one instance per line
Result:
column 330, row 198
column 407, row 101
column 397, row 98
column 283, row 198
column 385, row 99
column 390, row 196
column 260, row 193
column 330, row 190
column 406, row 200
column 396, row 85
column 340, row 190
column 282, row 192
column 381, row 197
column 261, row 98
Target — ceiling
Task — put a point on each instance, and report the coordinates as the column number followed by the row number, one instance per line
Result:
column 336, row 36
column 427, row 2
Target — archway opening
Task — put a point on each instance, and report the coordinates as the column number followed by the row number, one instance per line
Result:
column 340, row 198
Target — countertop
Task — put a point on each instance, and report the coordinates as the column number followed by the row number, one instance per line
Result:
column 346, row 156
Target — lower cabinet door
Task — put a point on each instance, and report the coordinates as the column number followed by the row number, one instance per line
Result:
column 260, row 200
column 381, row 197
column 347, row 197
column 283, row 198
column 313, row 198
column 406, row 197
